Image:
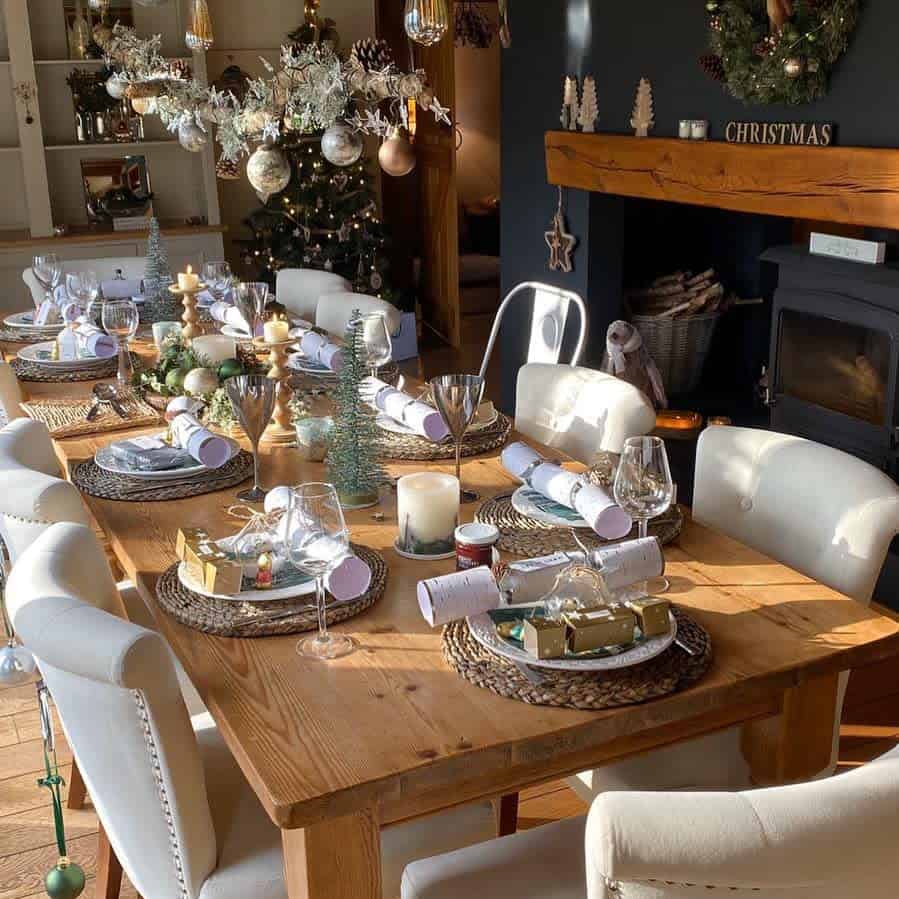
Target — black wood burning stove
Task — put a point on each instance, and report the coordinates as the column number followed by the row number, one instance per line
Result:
column 835, row 354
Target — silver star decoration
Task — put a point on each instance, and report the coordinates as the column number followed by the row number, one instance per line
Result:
column 271, row 129
column 440, row 112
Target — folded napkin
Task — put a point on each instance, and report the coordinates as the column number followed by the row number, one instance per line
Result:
column 420, row 417
column 348, row 579
column 592, row 503
column 458, row 595
column 207, row 448
column 120, row 288
column 148, row 454
column 96, row 342
column 321, row 349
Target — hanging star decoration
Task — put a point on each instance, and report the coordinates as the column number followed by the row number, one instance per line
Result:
column 561, row 244
column 440, row 113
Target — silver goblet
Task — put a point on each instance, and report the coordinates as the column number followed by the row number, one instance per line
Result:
column 253, row 401
column 457, row 398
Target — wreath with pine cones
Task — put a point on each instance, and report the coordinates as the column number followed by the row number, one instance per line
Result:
column 777, row 51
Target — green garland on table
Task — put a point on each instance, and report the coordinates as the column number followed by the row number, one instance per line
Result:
column 764, row 63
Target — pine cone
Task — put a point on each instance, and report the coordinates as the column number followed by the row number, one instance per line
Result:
column 371, row 55
column 227, row 169
column 713, row 66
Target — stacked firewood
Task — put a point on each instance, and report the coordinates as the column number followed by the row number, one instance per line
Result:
column 679, row 295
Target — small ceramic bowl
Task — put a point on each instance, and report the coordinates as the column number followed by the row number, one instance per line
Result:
column 312, row 437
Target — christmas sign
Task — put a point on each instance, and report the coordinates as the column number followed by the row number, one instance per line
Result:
column 808, row 134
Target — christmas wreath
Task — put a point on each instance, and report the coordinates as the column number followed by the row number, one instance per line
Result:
column 777, row 51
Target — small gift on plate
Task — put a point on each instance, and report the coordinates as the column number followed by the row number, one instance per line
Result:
column 148, row 454
column 652, row 615
column 596, row 629
column 544, row 638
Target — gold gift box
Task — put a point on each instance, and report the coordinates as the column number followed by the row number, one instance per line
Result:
column 207, row 564
column 544, row 639
column 611, row 626
column 222, row 574
column 652, row 615
column 190, row 537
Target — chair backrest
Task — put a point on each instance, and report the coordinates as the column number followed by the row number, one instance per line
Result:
column 33, row 496
column 825, row 839
column 549, row 316
column 115, row 688
column 814, row 508
column 106, row 268
column 335, row 310
column 299, row 289
column 10, row 392
column 578, row 410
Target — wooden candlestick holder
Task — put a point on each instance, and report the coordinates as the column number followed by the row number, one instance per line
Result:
column 281, row 429
column 190, row 328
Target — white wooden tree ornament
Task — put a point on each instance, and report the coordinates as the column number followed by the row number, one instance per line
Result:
column 588, row 115
column 569, row 115
column 642, row 118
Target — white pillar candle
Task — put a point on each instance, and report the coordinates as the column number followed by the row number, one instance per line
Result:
column 275, row 331
column 684, row 127
column 428, row 512
column 215, row 347
column 188, row 280
column 699, row 129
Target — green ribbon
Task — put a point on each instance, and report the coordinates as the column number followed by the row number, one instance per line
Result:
column 53, row 781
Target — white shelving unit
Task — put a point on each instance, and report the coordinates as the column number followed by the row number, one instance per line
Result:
column 40, row 160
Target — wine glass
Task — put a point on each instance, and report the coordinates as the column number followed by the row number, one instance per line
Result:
column 457, row 398
column 120, row 319
column 83, row 288
column 48, row 271
column 317, row 538
column 218, row 278
column 253, row 401
column 644, row 489
column 251, row 298
column 376, row 338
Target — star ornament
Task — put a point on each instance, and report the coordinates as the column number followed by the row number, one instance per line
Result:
column 561, row 245
column 440, row 113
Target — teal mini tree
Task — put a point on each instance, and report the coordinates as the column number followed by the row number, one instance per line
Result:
column 354, row 451
column 160, row 304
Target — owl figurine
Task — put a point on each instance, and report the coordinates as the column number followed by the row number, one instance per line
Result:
column 627, row 358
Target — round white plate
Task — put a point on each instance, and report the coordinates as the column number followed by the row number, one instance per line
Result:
column 25, row 322
column 33, row 353
column 298, row 362
column 247, row 595
column 405, row 555
column 108, row 462
column 236, row 333
column 484, row 631
column 524, row 503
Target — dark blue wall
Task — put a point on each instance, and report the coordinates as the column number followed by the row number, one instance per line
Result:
column 618, row 43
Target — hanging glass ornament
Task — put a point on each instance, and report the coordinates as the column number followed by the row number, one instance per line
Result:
column 341, row 145
column 426, row 21
column 191, row 136
column 115, row 87
column 199, row 31
column 268, row 171
column 16, row 664
column 396, row 155
column 143, row 105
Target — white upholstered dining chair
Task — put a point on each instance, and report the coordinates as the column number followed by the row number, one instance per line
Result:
column 817, row 509
column 299, row 289
column 171, row 800
column 106, row 269
column 10, row 393
column 335, row 310
column 826, row 839
column 549, row 315
column 578, row 410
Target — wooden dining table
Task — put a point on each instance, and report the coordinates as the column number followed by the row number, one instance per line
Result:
column 337, row 750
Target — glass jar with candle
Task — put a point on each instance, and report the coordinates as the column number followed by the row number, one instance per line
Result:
column 428, row 513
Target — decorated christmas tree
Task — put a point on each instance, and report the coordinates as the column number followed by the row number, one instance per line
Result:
column 354, row 450
column 160, row 304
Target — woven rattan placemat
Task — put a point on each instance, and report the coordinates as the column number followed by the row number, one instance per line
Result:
column 24, row 335
column 669, row 672
column 236, row 618
column 35, row 371
column 410, row 446
column 66, row 418
column 88, row 477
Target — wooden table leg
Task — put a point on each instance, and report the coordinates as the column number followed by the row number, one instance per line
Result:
column 335, row 859
column 109, row 870
column 77, row 789
column 796, row 744
column 506, row 814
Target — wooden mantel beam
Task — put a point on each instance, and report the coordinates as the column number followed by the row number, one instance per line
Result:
column 851, row 185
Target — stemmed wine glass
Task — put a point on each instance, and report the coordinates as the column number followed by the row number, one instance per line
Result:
column 253, row 401
column 644, row 489
column 120, row 319
column 317, row 539
column 48, row 271
column 84, row 288
column 251, row 298
column 376, row 338
column 218, row 278
column 457, row 398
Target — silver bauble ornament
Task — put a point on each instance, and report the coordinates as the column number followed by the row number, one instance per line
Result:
column 397, row 155
column 268, row 171
column 341, row 145
column 16, row 665
column 191, row 136
column 794, row 66
column 115, row 87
